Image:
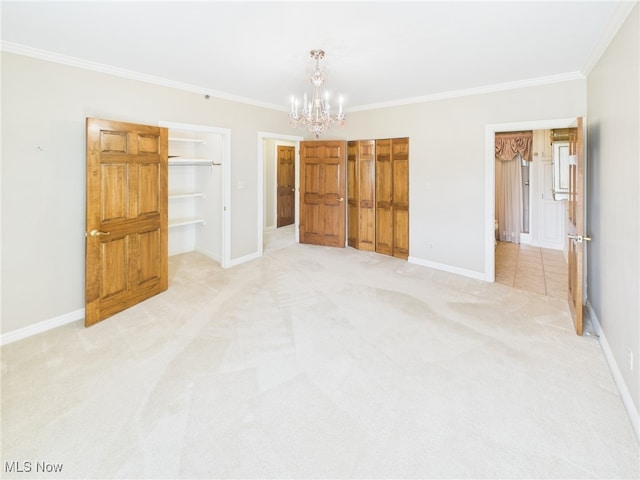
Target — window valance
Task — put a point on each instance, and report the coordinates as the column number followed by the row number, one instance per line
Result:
column 510, row 144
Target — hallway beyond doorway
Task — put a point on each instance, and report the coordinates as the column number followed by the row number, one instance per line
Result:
column 537, row 270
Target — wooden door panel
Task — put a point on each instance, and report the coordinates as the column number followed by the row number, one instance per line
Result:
column 401, row 182
column 323, row 184
column 331, row 182
column 352, row 194
column 148, row 268
column 352, row 224
column 148, row 178
column 312, row 179
column 367, row 240
column 401, row 234
column 384, row 231
column 126, row 247
column 113, row 197
column 285, row 186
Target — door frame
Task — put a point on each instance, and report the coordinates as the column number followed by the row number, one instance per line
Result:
column 225, row 133
column 296, row 139
column 490, row 172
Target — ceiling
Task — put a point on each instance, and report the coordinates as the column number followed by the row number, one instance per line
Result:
column 377, row 53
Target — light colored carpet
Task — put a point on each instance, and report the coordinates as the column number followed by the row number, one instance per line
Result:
column 318, row 362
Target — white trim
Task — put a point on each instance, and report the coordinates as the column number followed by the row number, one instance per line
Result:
column 498, row 87
column 447, row 268
column 130, row 74
column 225, row 133
column 41, row 327
column 622, row 11
column 489, row 183
column 262, row 136
column 615, row 372
column 245, row 259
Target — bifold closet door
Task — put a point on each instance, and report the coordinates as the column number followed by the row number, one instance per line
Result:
column 392, row 197
column 361, row 194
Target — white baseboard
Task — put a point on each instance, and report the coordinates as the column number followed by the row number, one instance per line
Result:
column 615, row 371
column 447, row 268
column 246, row 258
column 43, row 326
column 208, row 253
column 525, row 238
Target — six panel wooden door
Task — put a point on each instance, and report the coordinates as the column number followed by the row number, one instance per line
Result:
column 286, row 185
column 126, row 245
column 322, row 192
column 575, row 226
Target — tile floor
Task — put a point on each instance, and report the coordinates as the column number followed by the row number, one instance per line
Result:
column 537, row 270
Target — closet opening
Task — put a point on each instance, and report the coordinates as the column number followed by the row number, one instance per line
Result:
column 198, row 191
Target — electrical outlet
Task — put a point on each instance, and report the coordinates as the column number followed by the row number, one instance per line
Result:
column 630, row 357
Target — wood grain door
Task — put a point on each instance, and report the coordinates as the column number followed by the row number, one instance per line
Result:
column 575, row 229
column 400, row 161
column 126, row 245
column 361, row 192
column 392, row 197
column 322, row 193
column 286, row 178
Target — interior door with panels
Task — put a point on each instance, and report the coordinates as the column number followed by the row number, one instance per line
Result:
column 126, row 219
column 575, row 225
column 322, row 192
column 286, row 178
column 361, row 194
column 392, row 197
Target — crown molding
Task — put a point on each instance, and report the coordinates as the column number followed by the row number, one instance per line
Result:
column 130, row 74
column 619, row 16
column 531, row 82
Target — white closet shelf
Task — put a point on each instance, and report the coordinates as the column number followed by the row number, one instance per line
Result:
column 191, row 162
column 188, row 140
column 179, row 222
column 186, row 195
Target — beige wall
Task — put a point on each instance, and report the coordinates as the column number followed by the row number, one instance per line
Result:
column 447, row 161
column 44, row 106
column 613, row 180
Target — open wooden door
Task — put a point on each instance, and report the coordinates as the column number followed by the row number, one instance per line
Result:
column 286, row 178
column 126, row 246
column 322, row 193
column 575, row 225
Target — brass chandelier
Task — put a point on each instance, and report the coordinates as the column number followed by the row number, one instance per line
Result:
column 316, row 113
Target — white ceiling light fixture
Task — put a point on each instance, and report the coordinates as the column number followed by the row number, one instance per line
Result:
column 316, row 113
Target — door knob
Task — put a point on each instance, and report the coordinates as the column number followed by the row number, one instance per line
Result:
column 293, row 189
column 341, row 199
column 579, row 238
column 97, row 233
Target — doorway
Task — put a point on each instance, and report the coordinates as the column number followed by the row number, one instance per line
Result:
column 491, row 246
column 270, row 235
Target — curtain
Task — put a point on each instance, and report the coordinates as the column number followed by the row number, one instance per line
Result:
column 509, row 199
column 510, row 144
column 511, row 149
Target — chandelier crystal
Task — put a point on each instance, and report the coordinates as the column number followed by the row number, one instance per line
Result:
column 316, row 113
